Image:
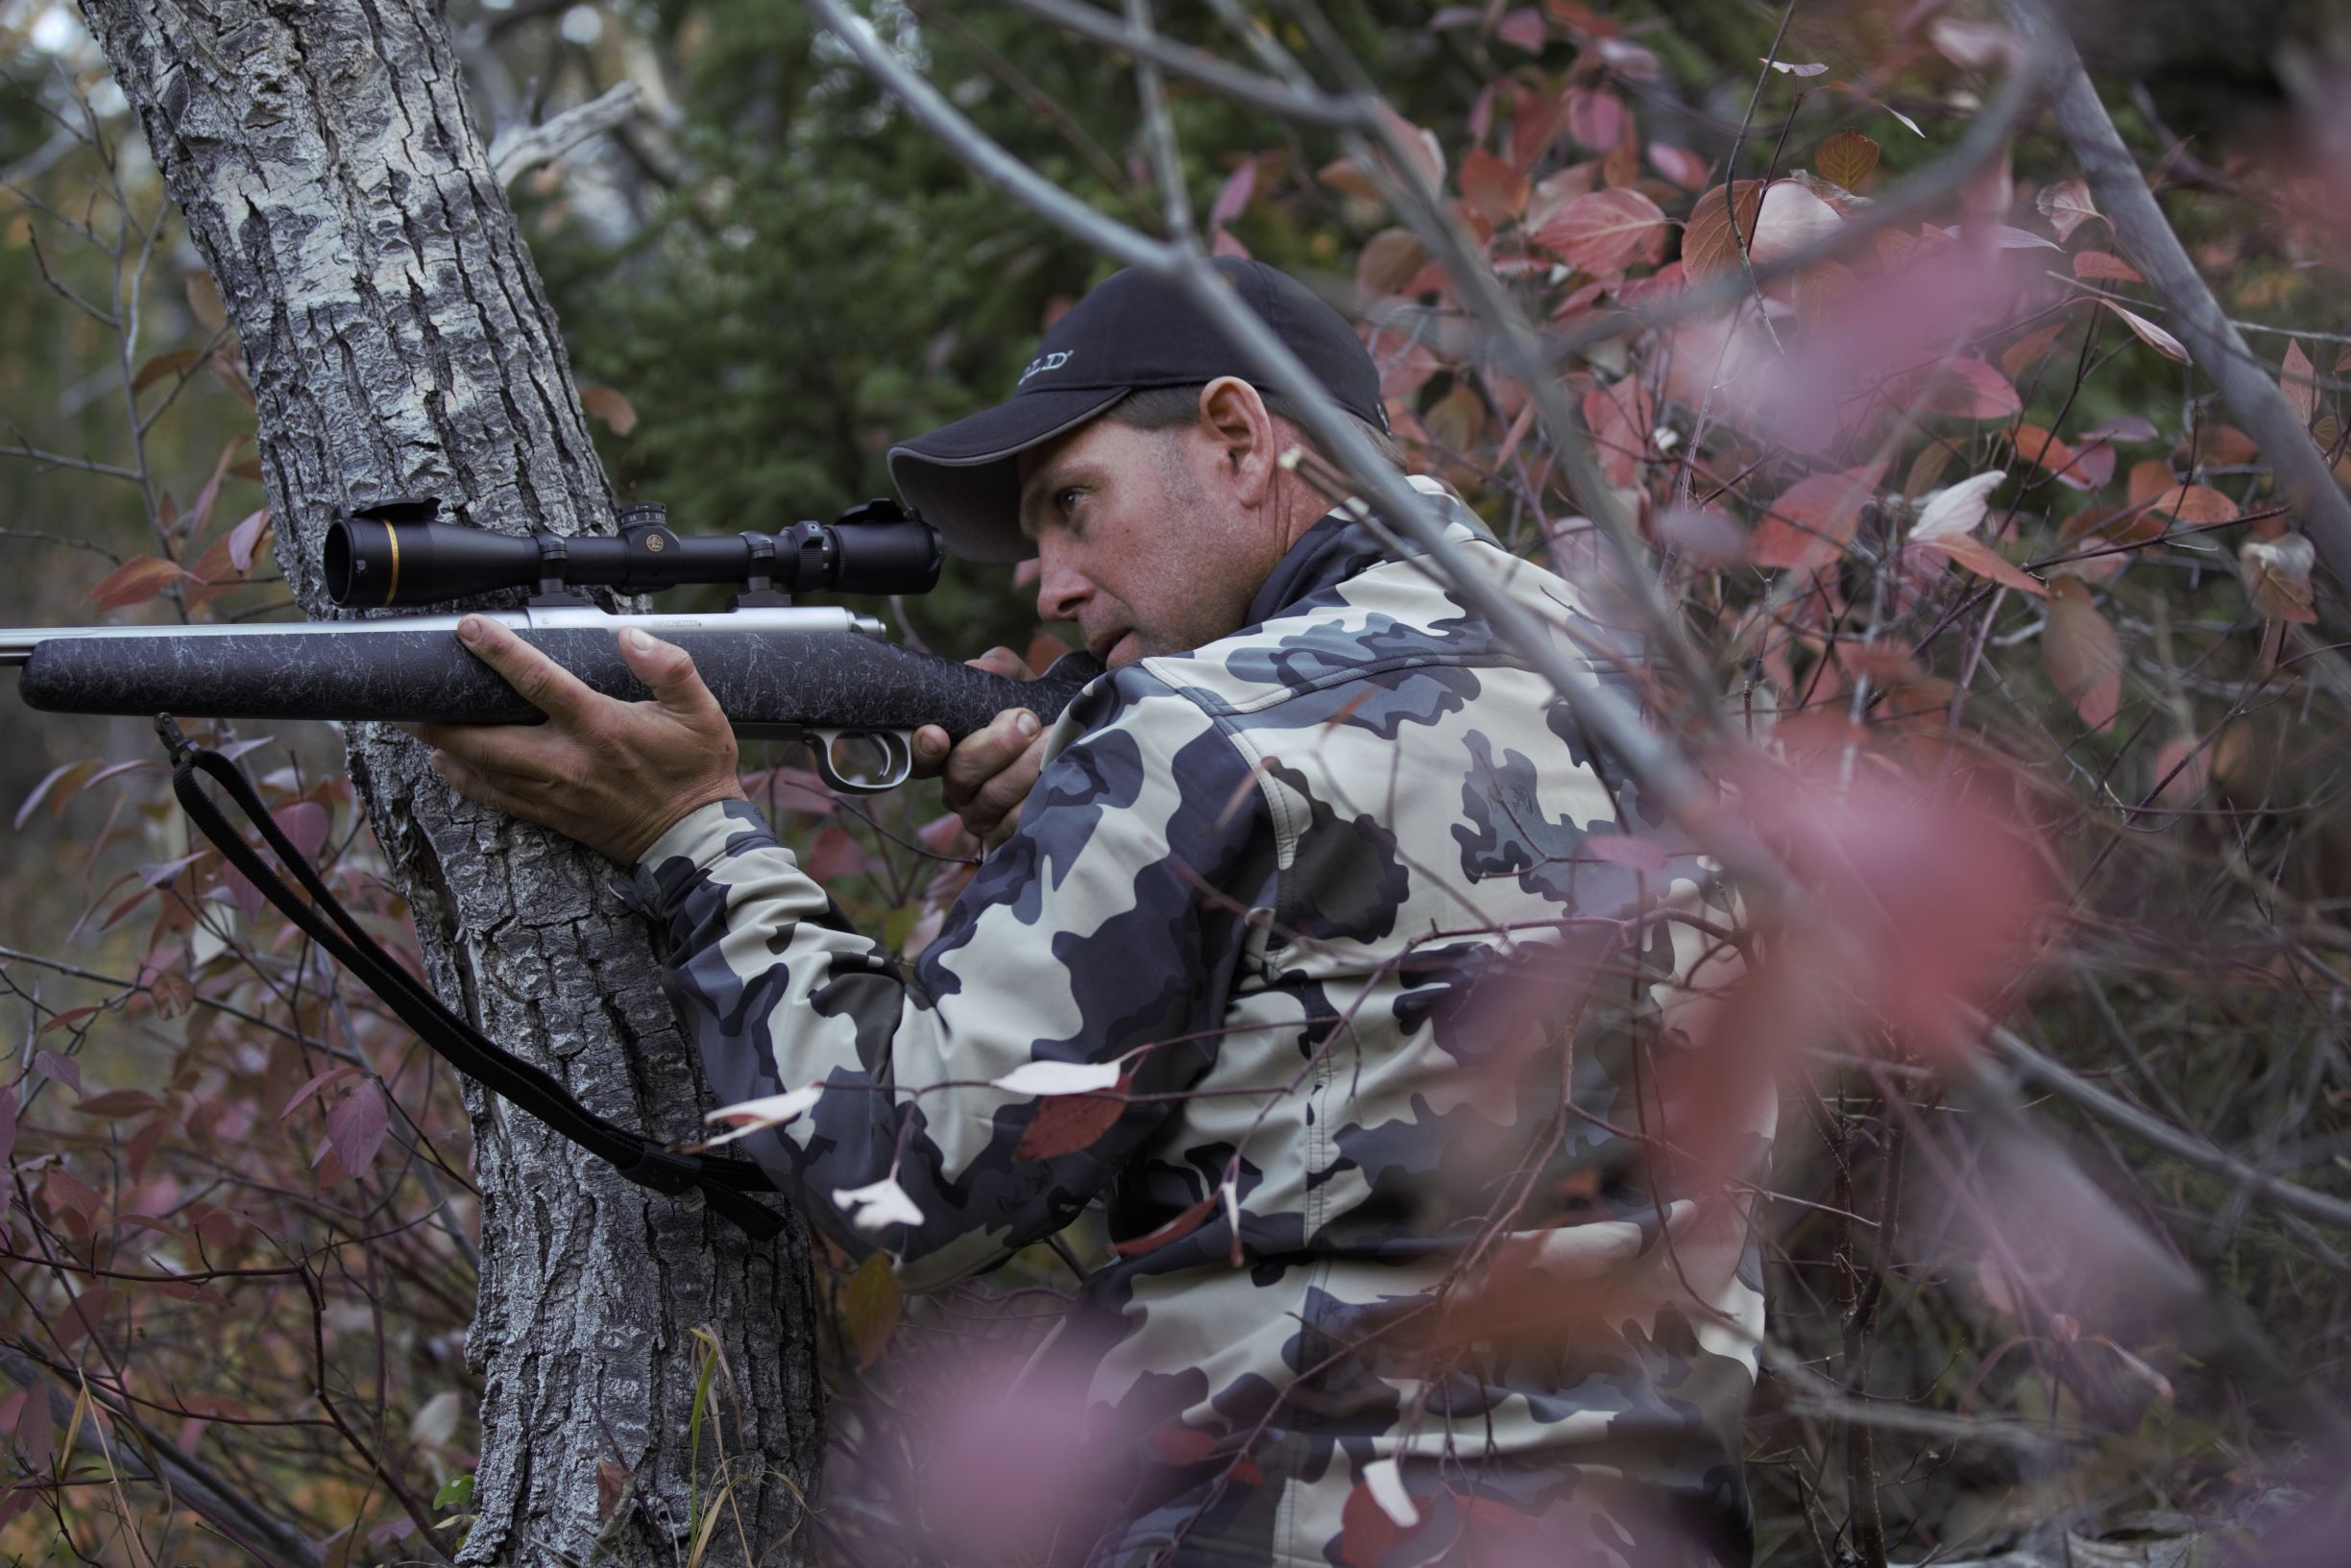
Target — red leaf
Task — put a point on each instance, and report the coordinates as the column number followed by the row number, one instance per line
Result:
column 833, row 853
column 65, row 1069
column 75, row 772
column 1390, row 259
column 135, row 582
column 307, row 824
column 246, row 537
column 1622, row 417
column 1847, row 158
column 2106, row 266
column 1495, row 191
column 85, row 1314
column 119, row 1102
column 324, row 1080
column 1597, row 118
column 1522, row 30
column 1174, row 1230
column 2083, row 655
column 356, row 1127
column 1972, row 390
column 1679, row 164
column 1065, row 1123
column 171, row 362
column 1233, row 199
column 2150, row 334
column 1983, row 561
column 1708, row 248
column 1605, row 231
column 1814, row 518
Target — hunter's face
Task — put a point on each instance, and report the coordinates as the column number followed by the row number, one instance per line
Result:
column 1147, row 539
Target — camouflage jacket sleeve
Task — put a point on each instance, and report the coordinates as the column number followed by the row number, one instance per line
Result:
column 1083, row 939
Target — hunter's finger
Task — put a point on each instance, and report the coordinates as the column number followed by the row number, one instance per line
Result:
column 999, row 799
column 537, row 679
column 475, row 785
column 986, row 753
column 668, row 671
column 523, row 752
column 1002, row 661
column 931, row 749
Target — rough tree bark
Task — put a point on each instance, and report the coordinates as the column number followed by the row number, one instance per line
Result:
column 399, row 344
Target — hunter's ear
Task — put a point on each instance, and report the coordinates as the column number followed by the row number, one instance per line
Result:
column 1235, row 420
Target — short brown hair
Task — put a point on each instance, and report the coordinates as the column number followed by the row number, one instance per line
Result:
column 1170, row 408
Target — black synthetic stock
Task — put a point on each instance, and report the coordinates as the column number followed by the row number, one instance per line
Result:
column 809, row 680
column 724, row 1182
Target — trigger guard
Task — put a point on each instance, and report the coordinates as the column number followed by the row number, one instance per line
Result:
column 897, row 760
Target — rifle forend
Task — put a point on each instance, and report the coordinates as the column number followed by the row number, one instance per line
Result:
column 780, row 671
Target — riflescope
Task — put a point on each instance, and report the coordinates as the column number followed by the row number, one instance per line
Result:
column 396, row 553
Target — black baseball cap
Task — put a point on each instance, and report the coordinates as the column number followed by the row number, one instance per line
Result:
column 1131, row 330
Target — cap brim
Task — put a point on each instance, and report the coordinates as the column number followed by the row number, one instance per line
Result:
column 964, row 479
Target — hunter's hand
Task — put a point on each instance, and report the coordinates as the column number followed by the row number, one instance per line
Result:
column 988, row 772
column 614, row 775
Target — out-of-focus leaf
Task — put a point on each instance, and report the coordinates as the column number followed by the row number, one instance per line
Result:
column 1847, row 158
column 1597, row 118
column 2067, row 205
column 2018, row 356
column 1792, row 67
column 1679, row 164
column 1984, row 561
column 870, row 1305
column 1791, row 219
column 606, row 404
column 134, row 582
column 116, row 1103
column 1390, row 259
column 1956, row 510
column 1972, row 390
column 1233, row 198
column 246, row 537
column 1523, row 29
column 2106, row 266
column 833, row 853
column 2300, row 382
column 205, row 301
column 62, row 780
column 171, row 362
column 1814, row 518
column 2150, row 334
column 2277, row 575
column 1494, row 190
column 2083, row 655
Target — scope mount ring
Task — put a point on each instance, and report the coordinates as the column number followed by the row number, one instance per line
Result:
column 893, row 765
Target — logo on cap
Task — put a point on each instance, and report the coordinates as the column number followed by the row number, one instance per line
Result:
column 1045, row 362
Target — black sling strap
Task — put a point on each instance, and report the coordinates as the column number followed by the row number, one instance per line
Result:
column 724, row 1182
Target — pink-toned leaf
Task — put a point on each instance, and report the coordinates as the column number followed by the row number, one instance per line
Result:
column 1233, row 198
column 307, row 824
column 1523, row 29
column 833, row 853
column 355, row 1127
column 1390, row 259
column 2300, row 382
column 2083, row 655
column 1679, row 164
column 65, row 1070
column 1605, row 231
column 1983, row 561
column 1629, row 60
column 1425, row 156
column 1630, row 851
column 1970, row 389
column 327, row 1079
column 1596, row 117
column 134, row 582
column 2106, row 267
column 1814, row 518
column 2067, row 205
column 2150, row 334
column 1495, row 191
column 1065, row 1123
column 1847, row 158
column 1792, row 219
column 246, row 537
column 63, row 781
column 1710, row 249
column 2277, row 575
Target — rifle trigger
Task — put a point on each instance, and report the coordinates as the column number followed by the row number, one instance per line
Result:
column 889, row 753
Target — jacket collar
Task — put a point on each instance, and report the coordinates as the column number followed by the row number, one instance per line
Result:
column 1340, row 545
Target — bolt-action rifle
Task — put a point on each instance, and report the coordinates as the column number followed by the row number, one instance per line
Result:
column 778, row 669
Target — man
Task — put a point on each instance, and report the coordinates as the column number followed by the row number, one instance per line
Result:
column 1413, row 1266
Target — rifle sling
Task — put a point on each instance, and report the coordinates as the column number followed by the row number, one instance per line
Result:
column 723, row 1182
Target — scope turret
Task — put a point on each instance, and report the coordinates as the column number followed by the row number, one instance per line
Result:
column 396, row 553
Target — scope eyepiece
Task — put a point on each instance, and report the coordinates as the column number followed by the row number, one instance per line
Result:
column 396, row 553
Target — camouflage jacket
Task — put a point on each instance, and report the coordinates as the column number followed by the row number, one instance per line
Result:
column 1402, row 1277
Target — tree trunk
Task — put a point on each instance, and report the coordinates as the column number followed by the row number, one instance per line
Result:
column 399, row 344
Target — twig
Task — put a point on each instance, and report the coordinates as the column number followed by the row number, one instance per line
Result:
column 515, row 153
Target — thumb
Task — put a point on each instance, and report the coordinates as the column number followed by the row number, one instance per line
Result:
column 669, row 671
